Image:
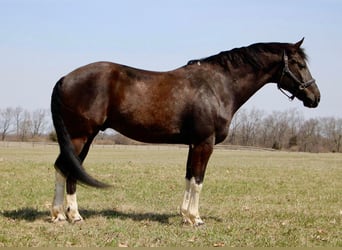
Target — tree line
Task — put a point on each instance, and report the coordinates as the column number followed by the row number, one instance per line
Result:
column 287, row 130
column 21, row 124
column 282, row 130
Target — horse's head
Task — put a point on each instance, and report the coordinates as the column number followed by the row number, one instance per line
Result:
column 296, row 78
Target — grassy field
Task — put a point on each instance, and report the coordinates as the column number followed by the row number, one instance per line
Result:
column 249, row 198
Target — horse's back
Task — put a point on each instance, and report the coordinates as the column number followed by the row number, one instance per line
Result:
column 105, row 94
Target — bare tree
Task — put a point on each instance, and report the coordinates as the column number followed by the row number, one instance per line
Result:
column 295, row 119
column 250, row 123
column 266, row 135
column 332, row 132
column 280, row 129
column 5, row 122
column 38, row 121
column 235, row 127
column 18, row 112
column 25, row 126
column 309, row 136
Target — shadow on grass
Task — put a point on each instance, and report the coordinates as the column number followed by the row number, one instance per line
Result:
column 27, row 213
column 112, row 214
column 161, row 218
column 32, row 214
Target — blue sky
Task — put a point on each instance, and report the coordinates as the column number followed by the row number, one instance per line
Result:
column 42, row 40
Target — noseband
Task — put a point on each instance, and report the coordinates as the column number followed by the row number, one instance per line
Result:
column 287, row 71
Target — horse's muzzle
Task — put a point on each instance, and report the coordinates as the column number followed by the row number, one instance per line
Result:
column 312, row 102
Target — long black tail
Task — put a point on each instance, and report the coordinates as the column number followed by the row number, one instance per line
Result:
column 68, row 162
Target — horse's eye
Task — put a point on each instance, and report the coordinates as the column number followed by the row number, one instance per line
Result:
column 301, row 65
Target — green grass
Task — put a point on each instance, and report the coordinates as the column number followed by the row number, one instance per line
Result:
column 249, row 198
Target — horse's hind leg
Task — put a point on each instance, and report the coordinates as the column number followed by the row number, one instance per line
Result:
column 82, row 148
column 57, row 209
column 71, row 201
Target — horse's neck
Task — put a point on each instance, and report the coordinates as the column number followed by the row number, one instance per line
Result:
column 246, row 81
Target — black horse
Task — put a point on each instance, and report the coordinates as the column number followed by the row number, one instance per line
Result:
column 191, row 105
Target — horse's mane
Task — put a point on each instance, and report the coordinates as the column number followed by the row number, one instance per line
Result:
column 247, row 55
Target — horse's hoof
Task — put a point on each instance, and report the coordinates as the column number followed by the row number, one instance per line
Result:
column 73, row 216
column 198, row 222
column 59, row 218
column 75, row 219
column 186, row 221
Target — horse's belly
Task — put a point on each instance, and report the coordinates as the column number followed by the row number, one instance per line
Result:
column 150, row 135
column 150, row 132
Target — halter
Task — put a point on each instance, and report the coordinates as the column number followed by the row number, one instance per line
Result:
column 287, row 71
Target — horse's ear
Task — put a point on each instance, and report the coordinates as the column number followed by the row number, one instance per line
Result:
column 298, row 44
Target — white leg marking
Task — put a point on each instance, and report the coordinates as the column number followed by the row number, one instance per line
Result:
column 194, row 202
column 185, row 203
column 57, row 210
column 72, row 208
column 190, row 205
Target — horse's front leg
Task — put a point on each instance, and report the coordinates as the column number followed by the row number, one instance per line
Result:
column 186, row 198
column 57, row 209
column 190, row 205
column 71, row 202
column 196, row 165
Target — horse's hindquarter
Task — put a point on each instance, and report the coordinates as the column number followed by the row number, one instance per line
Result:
column 85, row 98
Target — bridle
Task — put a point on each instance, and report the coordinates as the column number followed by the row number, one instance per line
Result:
column 287, row 71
